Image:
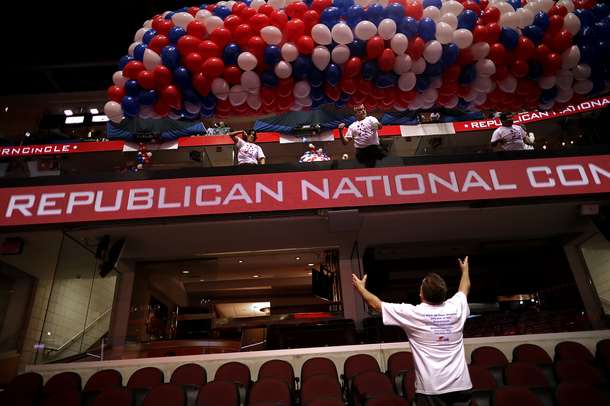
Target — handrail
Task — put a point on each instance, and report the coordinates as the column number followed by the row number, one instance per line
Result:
column 80, row 333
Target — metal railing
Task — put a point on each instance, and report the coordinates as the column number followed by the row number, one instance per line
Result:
column 74, row 338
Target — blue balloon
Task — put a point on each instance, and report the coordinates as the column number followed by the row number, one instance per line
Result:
column 467, row 19
column 600, row 11
column 370, row 70
column 409, row 26
column 587, row 54
column 587, row 36
column 175, row 33
column 450, row 54
column 182, row 77
column 138, row 51
column 603, row 28
column 340, row 103
column 207, row 113
column 509, row 38
column 272, row 54
column 548, row 95
column 209, row 101
column 357, row 47
column 317, row 94
column 355, row 14
column 330, row 16
column 463, row 104
column 315, row 78
column 345, row 97
column 396, row 12
column 434, row 69
column 343, row 5
column 301, row 66
column 169, row 15
column 534, row 33
column 586, row 17
column 230, row 54
column 124, row 61
column 541, row 20
column 130, row 105
column 422, row 82
column 386, row 80
column 132, row 88
column 332, row 74
column 148, row 97
column 221, row 12
column 598, row 87
column 183, row 9
column 515, row 3
column 189, row 95
column 374, row 13
column 468, row 75
column 170, row 56
column 433, row 3
column 535, row 70
column 427, row 29
column 268, row 78
column 148, row 35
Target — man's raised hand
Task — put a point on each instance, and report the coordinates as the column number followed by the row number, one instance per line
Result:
column 463, row 264
column 359, row 284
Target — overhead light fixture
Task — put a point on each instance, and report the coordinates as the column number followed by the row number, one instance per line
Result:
column 298, row 258
column 27, row 133
column 185, row 272
column 308, row 273
column 241, row 261
column 201, row 280
column 68, row 112
column 100, row 119
column 544, row 147
column 6, row 109
column 310, row 264
column 75, row 120
column 256, row 276
column 563, row 144
column 94, row 111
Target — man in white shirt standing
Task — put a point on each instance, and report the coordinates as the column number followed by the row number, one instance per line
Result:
column 435, row 331
column 248, row 153
column 511, row 137
column 363, row 132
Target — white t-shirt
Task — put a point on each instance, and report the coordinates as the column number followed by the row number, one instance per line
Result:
column 513, row 137
column 364, row 132
column 248, row 153
column 435, row 335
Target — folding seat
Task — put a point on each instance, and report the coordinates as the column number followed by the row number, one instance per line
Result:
column 387, row 400
column 356, row 364
column 69, row 397
column 572, row 351
column 399, row 364
column 326, row 402
column 527, row 375
column 492, row 359
column 407, row 386
column 370, row 384
column 62, row 382
column 515, row 395
column 165, row 395
column 320, row 386
column 24, row 389
column 144, row 380
column 190, row 377
column 218, row 393
column 237, row 373
column 278, row 369
column 578, row 394
column 533, row 354
column 602, row 354
column 578, row 372
column 483, row 385
column 115, row 397
column 270, row 390
column 100, row 381
column 318, row 366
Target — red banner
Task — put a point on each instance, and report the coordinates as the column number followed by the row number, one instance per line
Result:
column 304, row 190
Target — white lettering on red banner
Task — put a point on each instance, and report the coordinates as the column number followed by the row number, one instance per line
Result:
column 304, row 190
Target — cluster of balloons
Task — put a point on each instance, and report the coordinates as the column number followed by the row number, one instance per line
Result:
column 142, row 157
column 314, row 154
column 257, row 56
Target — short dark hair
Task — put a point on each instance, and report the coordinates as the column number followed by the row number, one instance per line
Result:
column 252, row 133
column 434, row 288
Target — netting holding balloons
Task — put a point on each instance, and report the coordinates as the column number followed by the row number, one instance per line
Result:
column 236, row 58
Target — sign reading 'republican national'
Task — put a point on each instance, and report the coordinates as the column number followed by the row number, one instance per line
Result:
column 305, row 190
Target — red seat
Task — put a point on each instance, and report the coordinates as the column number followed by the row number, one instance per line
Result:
column 489, row 357
column 387, row 400
column 516, row 396
column 408, row 385
column 320, row 386
column 527, row 375
column 278, row 369
column 532, row 354
column 164, row 395
column 326, row 402
column 602, row 353
column 68, row 397
column 62, row 382
column 578, row 372
column 270, row 390
column 400, row 362
column 318, row 366
column 235, row 372
column 145, row 378
column 189, row 374
column 115, row 397
column 572, row 351
column 481, row 378
column 218, row 393
column 104, row 379
column 578, row 394
column 369, row 385
column 24, row 389
column 356, row 364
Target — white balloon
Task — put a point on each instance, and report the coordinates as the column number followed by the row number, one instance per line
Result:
column 271, row 35
column 114, row 111
column 139, row 35
column 526, row 17
column 510, row 20
column 453, row 102
column 462, row 37
column 433, row 13
column 190, row 107
column 430, row 95
column 547, row 82
column 508, row 84
column 418, row 66
column 406, row 81
column 147, row 24
column 237, row 95
column 472, row 94
column 212, row 22
column 257, row 3
column 247, row 61
column 340, row 54
column 581, row 71
column 402, row 64
column 301, row 89
column 283, row 70
column 504, row 7
column 230, row 4
column 547, row 4
column 479, row 50
column 303, row 101
column 564, row 95
column 433, row 51
column 571, row 23
column 254, row 101
column 118, row 78
column 151, row 59
column 289, row 52
column 570, row 57
column 363, row 3
column 452, row 6
column 320, row 57
column 202, row 15
column 565, row 79
column 147, row 111
column 277, row 4
column 451, row 19
column 132, row 47
column 321, row 34
column 583, row 86
column 567, row 4
column 250, row 80
column 220, row 88
column 436, row 82
column 364, row 30
column 296, row 107
column 386, row 29
column 444, row 33
column 485, row 67
column 480, row 99
column 342, row 34
column 182, row 19
column 399, row 43
column 546, row 106
column 482, row 84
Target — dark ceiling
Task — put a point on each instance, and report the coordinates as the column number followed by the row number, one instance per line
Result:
column 67, row 46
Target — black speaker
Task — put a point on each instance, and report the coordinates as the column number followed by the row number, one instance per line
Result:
column 114, row 254
column 102, row 247
column 602, row 221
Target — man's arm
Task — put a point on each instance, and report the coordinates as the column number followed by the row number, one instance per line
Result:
column 261, row 160
column 465, row 280
column 344, row 139
column 234, row 135
column 373, row 301
column 378, row 123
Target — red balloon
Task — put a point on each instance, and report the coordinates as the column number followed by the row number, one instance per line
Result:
column 479, row 34
column 296, row 10
column 472, row 5
column 220, row 36
column 223, row 106
column 542, row 51
column 161, row 108
column 256, row 45
column 146, row 79
column 196, row 29
column 386, row 60
column 490, row 15
column 332, row 92
column 132, row 69
column 562, row 41
column 242, row 34
column 285, row 86
column 320, row 5
column 497, row 53
column 555, row 23
column 267, row 96
column 407, row 97
column 284, row 103
column 158, row 42
column 213, row 67
column 452, row 73
column 187, row 44
column 352, row 67
column 193, row 62
column 310, row 18
column 493, row 32
column 416, row 48
column 366, row 87
column 193, row 10
column 374, row 47
column 463, row 91
column 171, row 96
column 377, row 93
column 238, row 8
column 414, row 9
column 163, row 76
column 232, row 74
column 231, row 22
column 162, row 26
column 266, row 9
column 294, row 29
column 201, row 83
column 501, row 73
column 552, row 63
column 208, row 49
column 258, row 21
column 116, row 93
column 305, row 44
column 465, row 57
column 525, row 48
column 247, row 14
column 348, row 85
column 519, row 68
column 278, row 18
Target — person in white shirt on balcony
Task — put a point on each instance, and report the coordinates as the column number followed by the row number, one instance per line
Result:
column 363, row 132
column 511, row 137
column 248, row 152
